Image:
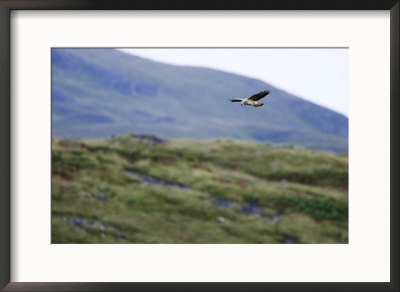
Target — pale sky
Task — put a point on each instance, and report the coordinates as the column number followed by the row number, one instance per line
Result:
column 318, row 75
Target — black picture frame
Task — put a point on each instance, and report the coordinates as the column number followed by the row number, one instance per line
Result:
column 5, row 150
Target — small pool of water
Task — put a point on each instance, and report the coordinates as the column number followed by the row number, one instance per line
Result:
column 289, row 240
column 252, row 207
column 156, row 181
column 85, row 224
column 221, row 203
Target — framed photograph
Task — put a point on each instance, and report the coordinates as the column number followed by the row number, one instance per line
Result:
column 199, row 146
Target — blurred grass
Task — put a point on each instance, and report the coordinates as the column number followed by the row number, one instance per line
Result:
column 126, row 189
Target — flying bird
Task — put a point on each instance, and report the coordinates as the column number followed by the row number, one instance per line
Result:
column 252, row 100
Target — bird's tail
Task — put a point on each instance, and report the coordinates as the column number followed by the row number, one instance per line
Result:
column 259, row 104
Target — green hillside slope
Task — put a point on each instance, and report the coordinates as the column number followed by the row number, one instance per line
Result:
column 103, row 92
column 138, row 189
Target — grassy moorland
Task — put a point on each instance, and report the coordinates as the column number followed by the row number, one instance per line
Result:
column 130, row 189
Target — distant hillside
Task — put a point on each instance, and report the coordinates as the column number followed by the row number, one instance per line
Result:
column 104, row 92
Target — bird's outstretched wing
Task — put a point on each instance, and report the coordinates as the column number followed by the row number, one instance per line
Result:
column 236, row 100
column 259, row 95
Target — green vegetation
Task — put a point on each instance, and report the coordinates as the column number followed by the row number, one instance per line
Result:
column 129, row 189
